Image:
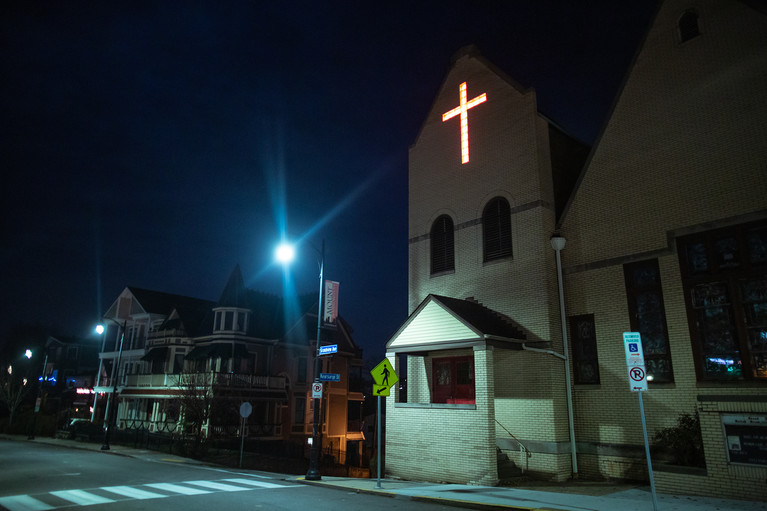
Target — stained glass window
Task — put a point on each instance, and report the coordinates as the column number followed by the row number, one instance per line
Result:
column 726, row 297
column 584, row 340
column 648, row 317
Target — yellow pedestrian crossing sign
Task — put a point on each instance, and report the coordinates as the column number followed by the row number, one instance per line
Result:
column 380, row 390
column 384, row 376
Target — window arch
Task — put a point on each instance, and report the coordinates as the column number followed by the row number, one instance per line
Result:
column 442, row 245
column 688, row 26
column 496, row 229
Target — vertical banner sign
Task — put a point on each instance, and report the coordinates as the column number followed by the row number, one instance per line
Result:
column 331, row 302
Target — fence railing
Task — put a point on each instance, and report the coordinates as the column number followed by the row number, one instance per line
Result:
column 234, row 380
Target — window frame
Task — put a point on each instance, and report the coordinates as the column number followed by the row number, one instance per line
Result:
column 496, row 230
column 688, row 25
column 457, row 393
column 581, row 347
column 633, row 291
column 442, row 245
column 705, row 265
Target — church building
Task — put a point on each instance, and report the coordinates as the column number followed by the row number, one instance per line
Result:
column 531, row 255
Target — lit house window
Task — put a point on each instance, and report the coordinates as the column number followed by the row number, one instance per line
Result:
column 442, row 245
column 724, row 273
column 496, row 229
column 648, row 317
column 453, row 380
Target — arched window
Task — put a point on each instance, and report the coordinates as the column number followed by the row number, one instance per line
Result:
column 688, row 26
column 496, row 229
column 442, row 245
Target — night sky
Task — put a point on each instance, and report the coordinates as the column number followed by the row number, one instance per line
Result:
column 159, row 144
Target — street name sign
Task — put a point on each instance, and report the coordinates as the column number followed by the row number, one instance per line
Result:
column 330, row 377
column 327, row 350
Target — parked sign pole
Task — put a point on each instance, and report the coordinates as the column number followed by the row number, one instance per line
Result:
column 384, row 378
column 378, row 451
column 638, row 382
column 245, row 410
column 647, row 453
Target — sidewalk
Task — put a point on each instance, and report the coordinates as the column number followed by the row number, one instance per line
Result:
column 573, row 496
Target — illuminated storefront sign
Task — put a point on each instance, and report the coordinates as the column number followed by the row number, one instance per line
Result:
column 463, row 111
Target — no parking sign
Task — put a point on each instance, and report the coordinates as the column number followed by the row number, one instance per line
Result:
column 632, row 341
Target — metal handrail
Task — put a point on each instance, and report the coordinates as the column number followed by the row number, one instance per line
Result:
column 522, row 447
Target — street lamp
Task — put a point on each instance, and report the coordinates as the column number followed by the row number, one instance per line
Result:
column 100, row 330
column 285, row 254
column 108, row 421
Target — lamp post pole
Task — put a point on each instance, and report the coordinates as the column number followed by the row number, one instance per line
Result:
column 98, row 375
column 39, row 397
column 313, row 474
column 111, row 409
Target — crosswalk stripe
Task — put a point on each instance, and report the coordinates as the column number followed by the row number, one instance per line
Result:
column 175, row 488
column 216, row 486
column 258, row 484
column 134, row 493
column 86, row 498
column 81, row 498
column 23, row 503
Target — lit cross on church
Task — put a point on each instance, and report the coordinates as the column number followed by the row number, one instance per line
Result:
column 463, row 109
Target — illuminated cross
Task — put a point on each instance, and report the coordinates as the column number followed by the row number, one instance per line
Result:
column 463, row 110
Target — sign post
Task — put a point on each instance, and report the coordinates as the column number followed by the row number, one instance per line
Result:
column 384, row 377
column 632, row 343
column 245, row 410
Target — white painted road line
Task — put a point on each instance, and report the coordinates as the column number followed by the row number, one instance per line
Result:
column 175, row 488
column 134, row 493
column 23, row 503
column 81, row 498
column 258, row 484
column 217, row 486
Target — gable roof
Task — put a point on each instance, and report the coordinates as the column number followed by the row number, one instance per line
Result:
column 441, row 323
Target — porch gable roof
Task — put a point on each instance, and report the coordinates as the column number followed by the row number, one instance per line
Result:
column 441, row 322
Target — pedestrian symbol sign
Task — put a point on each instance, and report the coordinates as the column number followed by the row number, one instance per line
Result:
column 384, row 376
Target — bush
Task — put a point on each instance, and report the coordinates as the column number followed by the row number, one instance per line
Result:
column 683, row 442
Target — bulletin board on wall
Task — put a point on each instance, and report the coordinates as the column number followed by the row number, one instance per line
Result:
column 746, row 438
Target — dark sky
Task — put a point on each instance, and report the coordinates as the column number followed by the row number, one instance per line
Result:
column 159, row 144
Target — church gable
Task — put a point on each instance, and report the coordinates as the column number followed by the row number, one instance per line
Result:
column 431, row 325
column 441, row 322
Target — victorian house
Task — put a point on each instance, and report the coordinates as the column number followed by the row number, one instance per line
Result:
column 165, row 352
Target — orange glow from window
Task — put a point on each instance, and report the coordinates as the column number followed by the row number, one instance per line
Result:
column 463, row 110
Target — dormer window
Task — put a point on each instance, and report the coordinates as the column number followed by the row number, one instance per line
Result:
column 231, row 320
column 688, row 26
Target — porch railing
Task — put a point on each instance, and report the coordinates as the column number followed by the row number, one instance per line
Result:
column 215, row 379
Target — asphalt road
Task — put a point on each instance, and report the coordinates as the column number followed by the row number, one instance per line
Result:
column 36, row 476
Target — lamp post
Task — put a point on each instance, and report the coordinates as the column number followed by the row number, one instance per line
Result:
column 285, row 254
column 558, row 243
column 102, row 332
column 108, row 421
column 41, row 381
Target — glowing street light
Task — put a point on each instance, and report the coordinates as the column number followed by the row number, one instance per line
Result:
column 285, row 254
